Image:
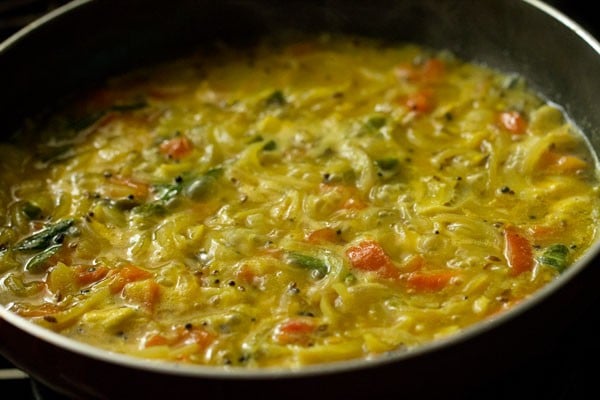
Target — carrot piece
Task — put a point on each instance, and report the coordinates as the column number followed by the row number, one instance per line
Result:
column 349, row 196
column 544, row 233
column 156, row 340
column 180, row 336
column 38, row 311
column 177, row 147
column 353, row 203
column 323, row 235
column 561, row 163
column 518, row 251
column 433, row 70
column 406, row 72
column 86, row 275
column 570, row 163
column 428, row 281
column 193, row 335
column 294, row 331
column 368, row 255
column 125, row 275
column 430, row 71
column 145, row 293
column 513, row 121
column 126, row 185
column 421, row 102
column 415, row 263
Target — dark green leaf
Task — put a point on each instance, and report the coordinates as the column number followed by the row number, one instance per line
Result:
column 387, row 164
column 125, row 204
column 308, row 262
column 150, row 209
column 256, row 139
column 375, row 122
column 31, row 210
column 276, row 99
column 556, row 256
column 36, row 263
column 270, row 145
column 202, row 186
column 45, row 237
column 167, row 192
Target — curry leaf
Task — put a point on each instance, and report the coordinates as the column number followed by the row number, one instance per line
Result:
column 317, row 265
column 45, row 237
column 36, row 262
column 556, row 256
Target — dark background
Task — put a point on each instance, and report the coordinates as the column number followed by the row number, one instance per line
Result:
column 567, row 372
column 17, row 13
column 583, row 12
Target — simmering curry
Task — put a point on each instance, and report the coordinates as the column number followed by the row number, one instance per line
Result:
column 292, row 203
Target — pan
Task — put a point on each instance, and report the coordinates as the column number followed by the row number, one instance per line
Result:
column 86, row 41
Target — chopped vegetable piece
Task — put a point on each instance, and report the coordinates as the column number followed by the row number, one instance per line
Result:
column 324, row 235
column 368, row 255
column 38, row 311
column 176, row 148
column 270, row 145
column 295, row 331
column 45, row 237
column 513, row 122
column 19, row 288
column 556, row 256
column 317, row 265
column 387, row 164
column 144, row 293
column 433, row 69
column 518, row 251
column 37, row 262
column 156, row 208
column 420, row 102
column 555, row 162
column 86, row 275
column 430, row 281
column 123, row 186
column 126, row 274
column 277, row 98
column 31, row 210
column 201, row 187
column 375, row 123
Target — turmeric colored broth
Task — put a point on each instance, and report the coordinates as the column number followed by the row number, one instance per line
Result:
column 290, row 204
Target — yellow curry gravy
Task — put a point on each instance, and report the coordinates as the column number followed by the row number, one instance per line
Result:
column 292, row 203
